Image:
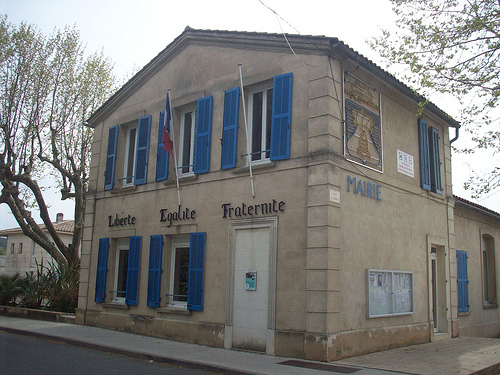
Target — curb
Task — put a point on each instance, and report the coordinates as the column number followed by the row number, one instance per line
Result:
column 37, row 314
column 132, row 354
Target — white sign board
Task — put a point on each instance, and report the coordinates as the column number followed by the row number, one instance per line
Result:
column 405, row 164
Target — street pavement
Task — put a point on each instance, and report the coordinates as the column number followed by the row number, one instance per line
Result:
column 464, row 355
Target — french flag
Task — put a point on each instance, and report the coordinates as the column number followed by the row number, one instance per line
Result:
column 168, row 145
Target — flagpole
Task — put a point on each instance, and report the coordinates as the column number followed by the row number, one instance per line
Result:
column 249, row 154
column 173, row 145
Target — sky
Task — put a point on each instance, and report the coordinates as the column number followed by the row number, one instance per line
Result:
column 132, row 33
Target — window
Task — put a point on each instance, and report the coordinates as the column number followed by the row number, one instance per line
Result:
column 430, row 159
column 121, row 268
column 462, row 282
column 126, row 270
column 489, row 273
column 12, row 248
column 179, row 274
column 135, row 156
column 136, row 152
column 187, row 272
column 260, row 112
column 128, row 177
column 195, row 138
column 186, row 150
column 21, row 248
column 270, row 113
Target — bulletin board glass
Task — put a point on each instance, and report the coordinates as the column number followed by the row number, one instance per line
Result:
column 389, row 293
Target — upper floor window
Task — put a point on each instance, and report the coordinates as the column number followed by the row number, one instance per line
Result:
column 186, row 149
column 269, row 123
column 135, row 153
column 260, row 111
column 430, row 158
column 128, row 178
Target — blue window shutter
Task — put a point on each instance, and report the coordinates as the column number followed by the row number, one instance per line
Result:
column 109, row 173
column 154, row 277
column 423, row 148
column 282, row 117
column 142, row 151
column 162, row 156
column 435, row 161
column 462, row 281
column 134, row 257
column 203, row 135
column 102, row 270
column 196, row 271
column 230, row 128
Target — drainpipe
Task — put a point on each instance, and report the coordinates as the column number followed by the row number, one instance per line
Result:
column 456, row 134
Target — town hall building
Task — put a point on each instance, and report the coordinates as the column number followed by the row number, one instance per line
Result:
column 286, row 198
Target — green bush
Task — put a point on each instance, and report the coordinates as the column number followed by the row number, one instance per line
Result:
column 10, row 289
column 53, row 287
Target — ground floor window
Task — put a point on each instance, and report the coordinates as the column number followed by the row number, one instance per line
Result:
column 125, row 265
column 121, row 270
column 462, row 282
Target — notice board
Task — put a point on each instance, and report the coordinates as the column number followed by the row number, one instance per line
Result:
column 389, row 293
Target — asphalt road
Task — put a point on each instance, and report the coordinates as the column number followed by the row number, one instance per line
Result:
column 28, row 355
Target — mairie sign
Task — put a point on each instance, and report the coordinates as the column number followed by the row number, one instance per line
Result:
column 365, row 188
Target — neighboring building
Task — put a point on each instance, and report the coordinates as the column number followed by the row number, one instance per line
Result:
column 478, row 273
column 341, row 243
column 23, row 254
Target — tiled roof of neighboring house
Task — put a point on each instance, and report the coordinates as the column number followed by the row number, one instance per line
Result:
column 263, row 42
column 477, row 207
column 65, row 226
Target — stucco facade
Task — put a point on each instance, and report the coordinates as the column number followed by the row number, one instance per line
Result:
column 23, row 254
column 333, row 244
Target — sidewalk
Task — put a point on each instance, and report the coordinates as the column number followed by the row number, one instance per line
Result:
column 468, row 355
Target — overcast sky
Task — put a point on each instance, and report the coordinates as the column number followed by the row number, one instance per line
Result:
column 131, row 33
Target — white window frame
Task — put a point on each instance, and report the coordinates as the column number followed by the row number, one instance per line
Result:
column 177, row 243
column 128, row 179
column 183, row 139
column 121, row 245
column 263, row 157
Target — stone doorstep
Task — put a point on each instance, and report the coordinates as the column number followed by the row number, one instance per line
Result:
column 51, row 316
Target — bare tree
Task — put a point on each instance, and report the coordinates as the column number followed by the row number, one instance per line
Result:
column 48, row 88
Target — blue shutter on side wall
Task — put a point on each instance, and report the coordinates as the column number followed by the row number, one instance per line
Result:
column 196, row 271
column 435, row 161
column 134, row 257
column 203, row 135
column 462, row 281
column 102, row 270
column 230, row 128
column 423, row 148
column 154, row 277
column 109, row 173
column 282, row 117
column 142, row 151
column 162, row 156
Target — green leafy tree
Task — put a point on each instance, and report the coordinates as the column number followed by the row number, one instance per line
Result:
column 48, row 88
column 453, row 47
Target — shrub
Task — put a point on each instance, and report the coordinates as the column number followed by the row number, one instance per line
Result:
column 10, row 289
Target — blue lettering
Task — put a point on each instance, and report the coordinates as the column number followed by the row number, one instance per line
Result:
column 349, row 182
